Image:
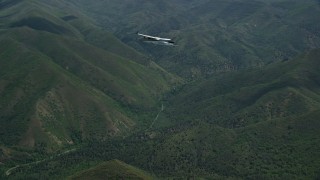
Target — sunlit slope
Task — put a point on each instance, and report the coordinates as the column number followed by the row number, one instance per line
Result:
column 124, row 80
column 43, row 103
column 38, row 16
column 284, row 89
column 59, row 87
column 64, row 18
column 113, row 169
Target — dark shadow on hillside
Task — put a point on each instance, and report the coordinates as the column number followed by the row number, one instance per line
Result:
column 69, row 18
column 41, row 24
column 8, row 3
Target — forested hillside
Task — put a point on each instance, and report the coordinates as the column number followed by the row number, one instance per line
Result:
column 240, row 130
column 214, row 36
column 58, row 87
column 81, row 96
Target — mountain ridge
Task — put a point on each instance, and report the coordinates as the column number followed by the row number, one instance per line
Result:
column 113, row 169
column 75, row 96
column 255, row 93
column 214, row 36
column 81, row 82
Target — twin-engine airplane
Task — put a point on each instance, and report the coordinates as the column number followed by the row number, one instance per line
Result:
column 157, row 40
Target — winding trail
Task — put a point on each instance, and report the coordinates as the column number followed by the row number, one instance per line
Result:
column 11, row 170
column 156, row 118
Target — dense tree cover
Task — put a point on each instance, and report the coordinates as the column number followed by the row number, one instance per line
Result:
column 274, row 149
column 74, row 97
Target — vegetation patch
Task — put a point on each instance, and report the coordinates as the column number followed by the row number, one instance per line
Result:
column 69, row 18
column 41, row 24
column 8, row 3
column 113, row 169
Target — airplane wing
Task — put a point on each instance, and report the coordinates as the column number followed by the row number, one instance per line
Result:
column 149, row 37
column 153, row 38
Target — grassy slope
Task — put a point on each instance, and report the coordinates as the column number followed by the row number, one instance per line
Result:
column 113, row 169
column 44, row 103
column 59, row 89
column 118, row 77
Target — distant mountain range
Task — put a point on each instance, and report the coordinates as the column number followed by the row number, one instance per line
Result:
column 214, row 36
column 82, row 97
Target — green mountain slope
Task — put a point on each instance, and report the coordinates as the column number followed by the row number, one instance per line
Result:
column 258, row 124
column 74, row 97
column 42, row 103
column 285, row 148
column 214, row 36
column 114, row 169
column 284, row 89
column 58, row 87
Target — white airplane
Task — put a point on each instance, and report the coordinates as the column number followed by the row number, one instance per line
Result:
column 157, row 40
